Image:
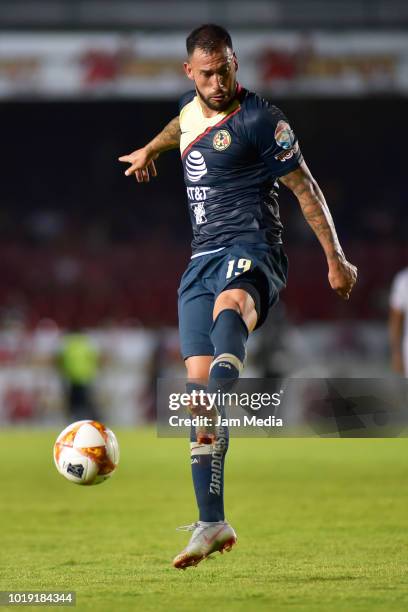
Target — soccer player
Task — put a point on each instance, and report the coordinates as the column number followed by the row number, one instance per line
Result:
column 398, row 322
column 235, row 147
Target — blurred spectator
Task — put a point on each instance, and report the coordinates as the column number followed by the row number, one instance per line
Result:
column 78, row 362
column 398, row 320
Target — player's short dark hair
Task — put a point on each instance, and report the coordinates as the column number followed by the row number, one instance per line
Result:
column 209, row 38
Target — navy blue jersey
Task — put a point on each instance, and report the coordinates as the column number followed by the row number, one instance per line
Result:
column 231, row 164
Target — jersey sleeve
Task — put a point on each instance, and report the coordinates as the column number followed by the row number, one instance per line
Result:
column 270, row 133
column 399, row 291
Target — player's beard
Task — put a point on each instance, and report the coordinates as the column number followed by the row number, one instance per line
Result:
column 217, row 106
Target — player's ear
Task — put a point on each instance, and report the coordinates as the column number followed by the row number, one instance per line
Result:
column 188, row 70
column 235, row 61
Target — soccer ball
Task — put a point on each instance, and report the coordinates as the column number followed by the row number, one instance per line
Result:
column 86, row 452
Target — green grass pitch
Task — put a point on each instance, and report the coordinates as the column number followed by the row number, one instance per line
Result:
column 321, row 523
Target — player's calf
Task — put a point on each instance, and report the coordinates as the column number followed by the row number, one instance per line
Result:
column 207, row 467
column 229, row 335
column 207, row 416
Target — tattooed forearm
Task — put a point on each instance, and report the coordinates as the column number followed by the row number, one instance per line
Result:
column 342, row 274
column 169, row 138
column 315, row 209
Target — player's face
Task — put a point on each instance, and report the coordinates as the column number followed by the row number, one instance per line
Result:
column 214, row 75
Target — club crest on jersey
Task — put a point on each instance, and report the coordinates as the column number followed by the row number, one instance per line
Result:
column 222, row 140
column 284, row 135
column 195, row 166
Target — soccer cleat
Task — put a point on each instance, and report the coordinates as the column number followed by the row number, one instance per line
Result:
column 206, row 539
column 206, row 432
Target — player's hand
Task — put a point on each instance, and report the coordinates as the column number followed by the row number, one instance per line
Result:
column 342, row 276
column 141, row 164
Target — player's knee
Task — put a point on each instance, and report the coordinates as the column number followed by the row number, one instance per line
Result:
column 233, row 299
column 240, row 301
column 198, row 367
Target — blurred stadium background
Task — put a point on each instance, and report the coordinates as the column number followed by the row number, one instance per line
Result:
column 83, row 249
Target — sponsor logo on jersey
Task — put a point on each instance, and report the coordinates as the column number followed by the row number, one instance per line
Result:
column 195, row 166
column 199, row 213
column 284, row 135
column 222, row 140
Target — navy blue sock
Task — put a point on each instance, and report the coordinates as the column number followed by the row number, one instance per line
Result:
column 229, row 335
column 207, row 468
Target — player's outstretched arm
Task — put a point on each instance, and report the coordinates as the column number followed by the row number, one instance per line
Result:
column 342, row 274
column 142, row 160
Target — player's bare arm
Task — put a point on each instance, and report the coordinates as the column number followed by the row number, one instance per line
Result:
column 396, row 327
column 342, row 274
column 142, row 160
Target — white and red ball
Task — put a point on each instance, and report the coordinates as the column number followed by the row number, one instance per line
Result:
column 86, row 452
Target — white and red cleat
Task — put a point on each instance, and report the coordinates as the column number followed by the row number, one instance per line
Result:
column 206, row 539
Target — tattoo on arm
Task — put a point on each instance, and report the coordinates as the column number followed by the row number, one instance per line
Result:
column 315, row 209
column 169, row 137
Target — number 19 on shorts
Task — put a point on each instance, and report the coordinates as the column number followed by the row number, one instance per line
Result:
column 235, row 268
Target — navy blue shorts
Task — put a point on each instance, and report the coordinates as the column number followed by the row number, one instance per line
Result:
column 259, row 269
